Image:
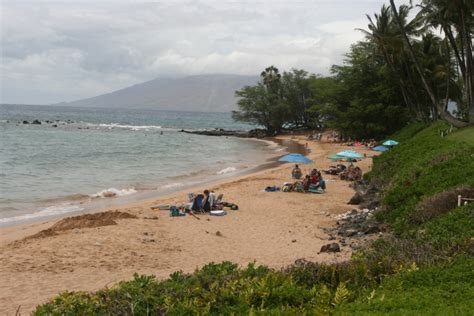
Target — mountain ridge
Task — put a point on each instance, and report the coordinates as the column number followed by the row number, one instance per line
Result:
column 207, row 93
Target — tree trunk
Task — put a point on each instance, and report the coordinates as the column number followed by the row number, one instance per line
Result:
column 469, row 81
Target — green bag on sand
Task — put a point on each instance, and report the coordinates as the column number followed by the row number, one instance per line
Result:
column 232, row 206
column 174, row 211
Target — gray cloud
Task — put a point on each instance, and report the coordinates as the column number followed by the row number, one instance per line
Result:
column 61, row 51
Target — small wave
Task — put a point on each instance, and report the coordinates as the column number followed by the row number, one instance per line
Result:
column 49, row 211
column 130, row 127
column 112, row 192
column 172, row 185
column 226, row 170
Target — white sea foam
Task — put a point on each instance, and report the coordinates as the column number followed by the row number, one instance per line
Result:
column 172, row 185
column 49, row 211
column 226, row 170
column 130, row 127
column 113, row 192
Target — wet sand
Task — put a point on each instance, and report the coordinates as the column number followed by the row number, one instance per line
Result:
column 274, row 229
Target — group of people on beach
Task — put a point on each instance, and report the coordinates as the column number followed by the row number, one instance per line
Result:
column 350, row 173
column 312, row 182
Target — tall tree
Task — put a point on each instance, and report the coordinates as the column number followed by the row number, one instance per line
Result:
column 263, row 104
column 455, row 18
column 434, row 100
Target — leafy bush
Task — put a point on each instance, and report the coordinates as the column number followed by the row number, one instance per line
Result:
column 438, row 204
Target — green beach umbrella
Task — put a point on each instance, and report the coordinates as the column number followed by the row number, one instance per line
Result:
column 350, row 154
column 390, row 142
column 335, row 157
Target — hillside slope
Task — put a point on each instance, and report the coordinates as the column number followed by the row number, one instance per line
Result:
column 206, row 93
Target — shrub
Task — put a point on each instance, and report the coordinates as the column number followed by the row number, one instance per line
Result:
column 439, row 204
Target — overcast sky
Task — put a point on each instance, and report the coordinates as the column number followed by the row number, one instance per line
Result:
column 53, row 51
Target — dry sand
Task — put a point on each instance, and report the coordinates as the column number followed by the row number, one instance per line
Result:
column 273, row 229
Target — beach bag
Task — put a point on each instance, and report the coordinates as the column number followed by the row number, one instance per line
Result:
column 174, row 211
column 299, row 187
column 287, row 187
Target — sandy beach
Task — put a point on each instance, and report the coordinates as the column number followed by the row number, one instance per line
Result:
column 273, row 229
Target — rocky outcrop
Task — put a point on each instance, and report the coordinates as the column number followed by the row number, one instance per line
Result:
column 255, row 133
column 366, row 196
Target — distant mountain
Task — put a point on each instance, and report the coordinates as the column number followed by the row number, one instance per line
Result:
column 207, row 93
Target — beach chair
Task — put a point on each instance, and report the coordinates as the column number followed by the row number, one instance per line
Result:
column 197, row 204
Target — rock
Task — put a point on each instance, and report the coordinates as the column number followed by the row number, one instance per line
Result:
column 372, row 230
column 218, row 233
column 355, row 200
column 347, row 232
column 333, row 247
column 294, row 240
column 256, row 133
column 54, row 125
column 36, row 122
column 26, row 122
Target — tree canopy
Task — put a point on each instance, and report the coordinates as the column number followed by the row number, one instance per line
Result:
column 405, row 70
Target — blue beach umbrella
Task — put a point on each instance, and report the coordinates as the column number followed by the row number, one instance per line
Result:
column 380, row 148
column 350, row 154
column 296, row 158
column 390, row 142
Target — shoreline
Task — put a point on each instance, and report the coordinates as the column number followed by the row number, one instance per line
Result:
column 90, row 204
column 273, row 229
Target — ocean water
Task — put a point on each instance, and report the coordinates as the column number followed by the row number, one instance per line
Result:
column 79, row 155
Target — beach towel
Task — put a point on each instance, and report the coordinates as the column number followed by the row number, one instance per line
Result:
column 316, row 190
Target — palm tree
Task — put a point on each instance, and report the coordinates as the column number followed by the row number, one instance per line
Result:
column 384, row 32
column 271, row 79
column 432, row 96
column 455, row 19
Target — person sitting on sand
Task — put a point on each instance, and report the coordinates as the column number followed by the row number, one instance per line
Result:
column 306, row 182
column 314, row 176
column 296, row 172
column 321, row 183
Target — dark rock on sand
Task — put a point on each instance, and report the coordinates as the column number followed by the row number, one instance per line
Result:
column 366, row 195
column 36, row 122
column 26, row 122
column 333, row 247
column 355, row 200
